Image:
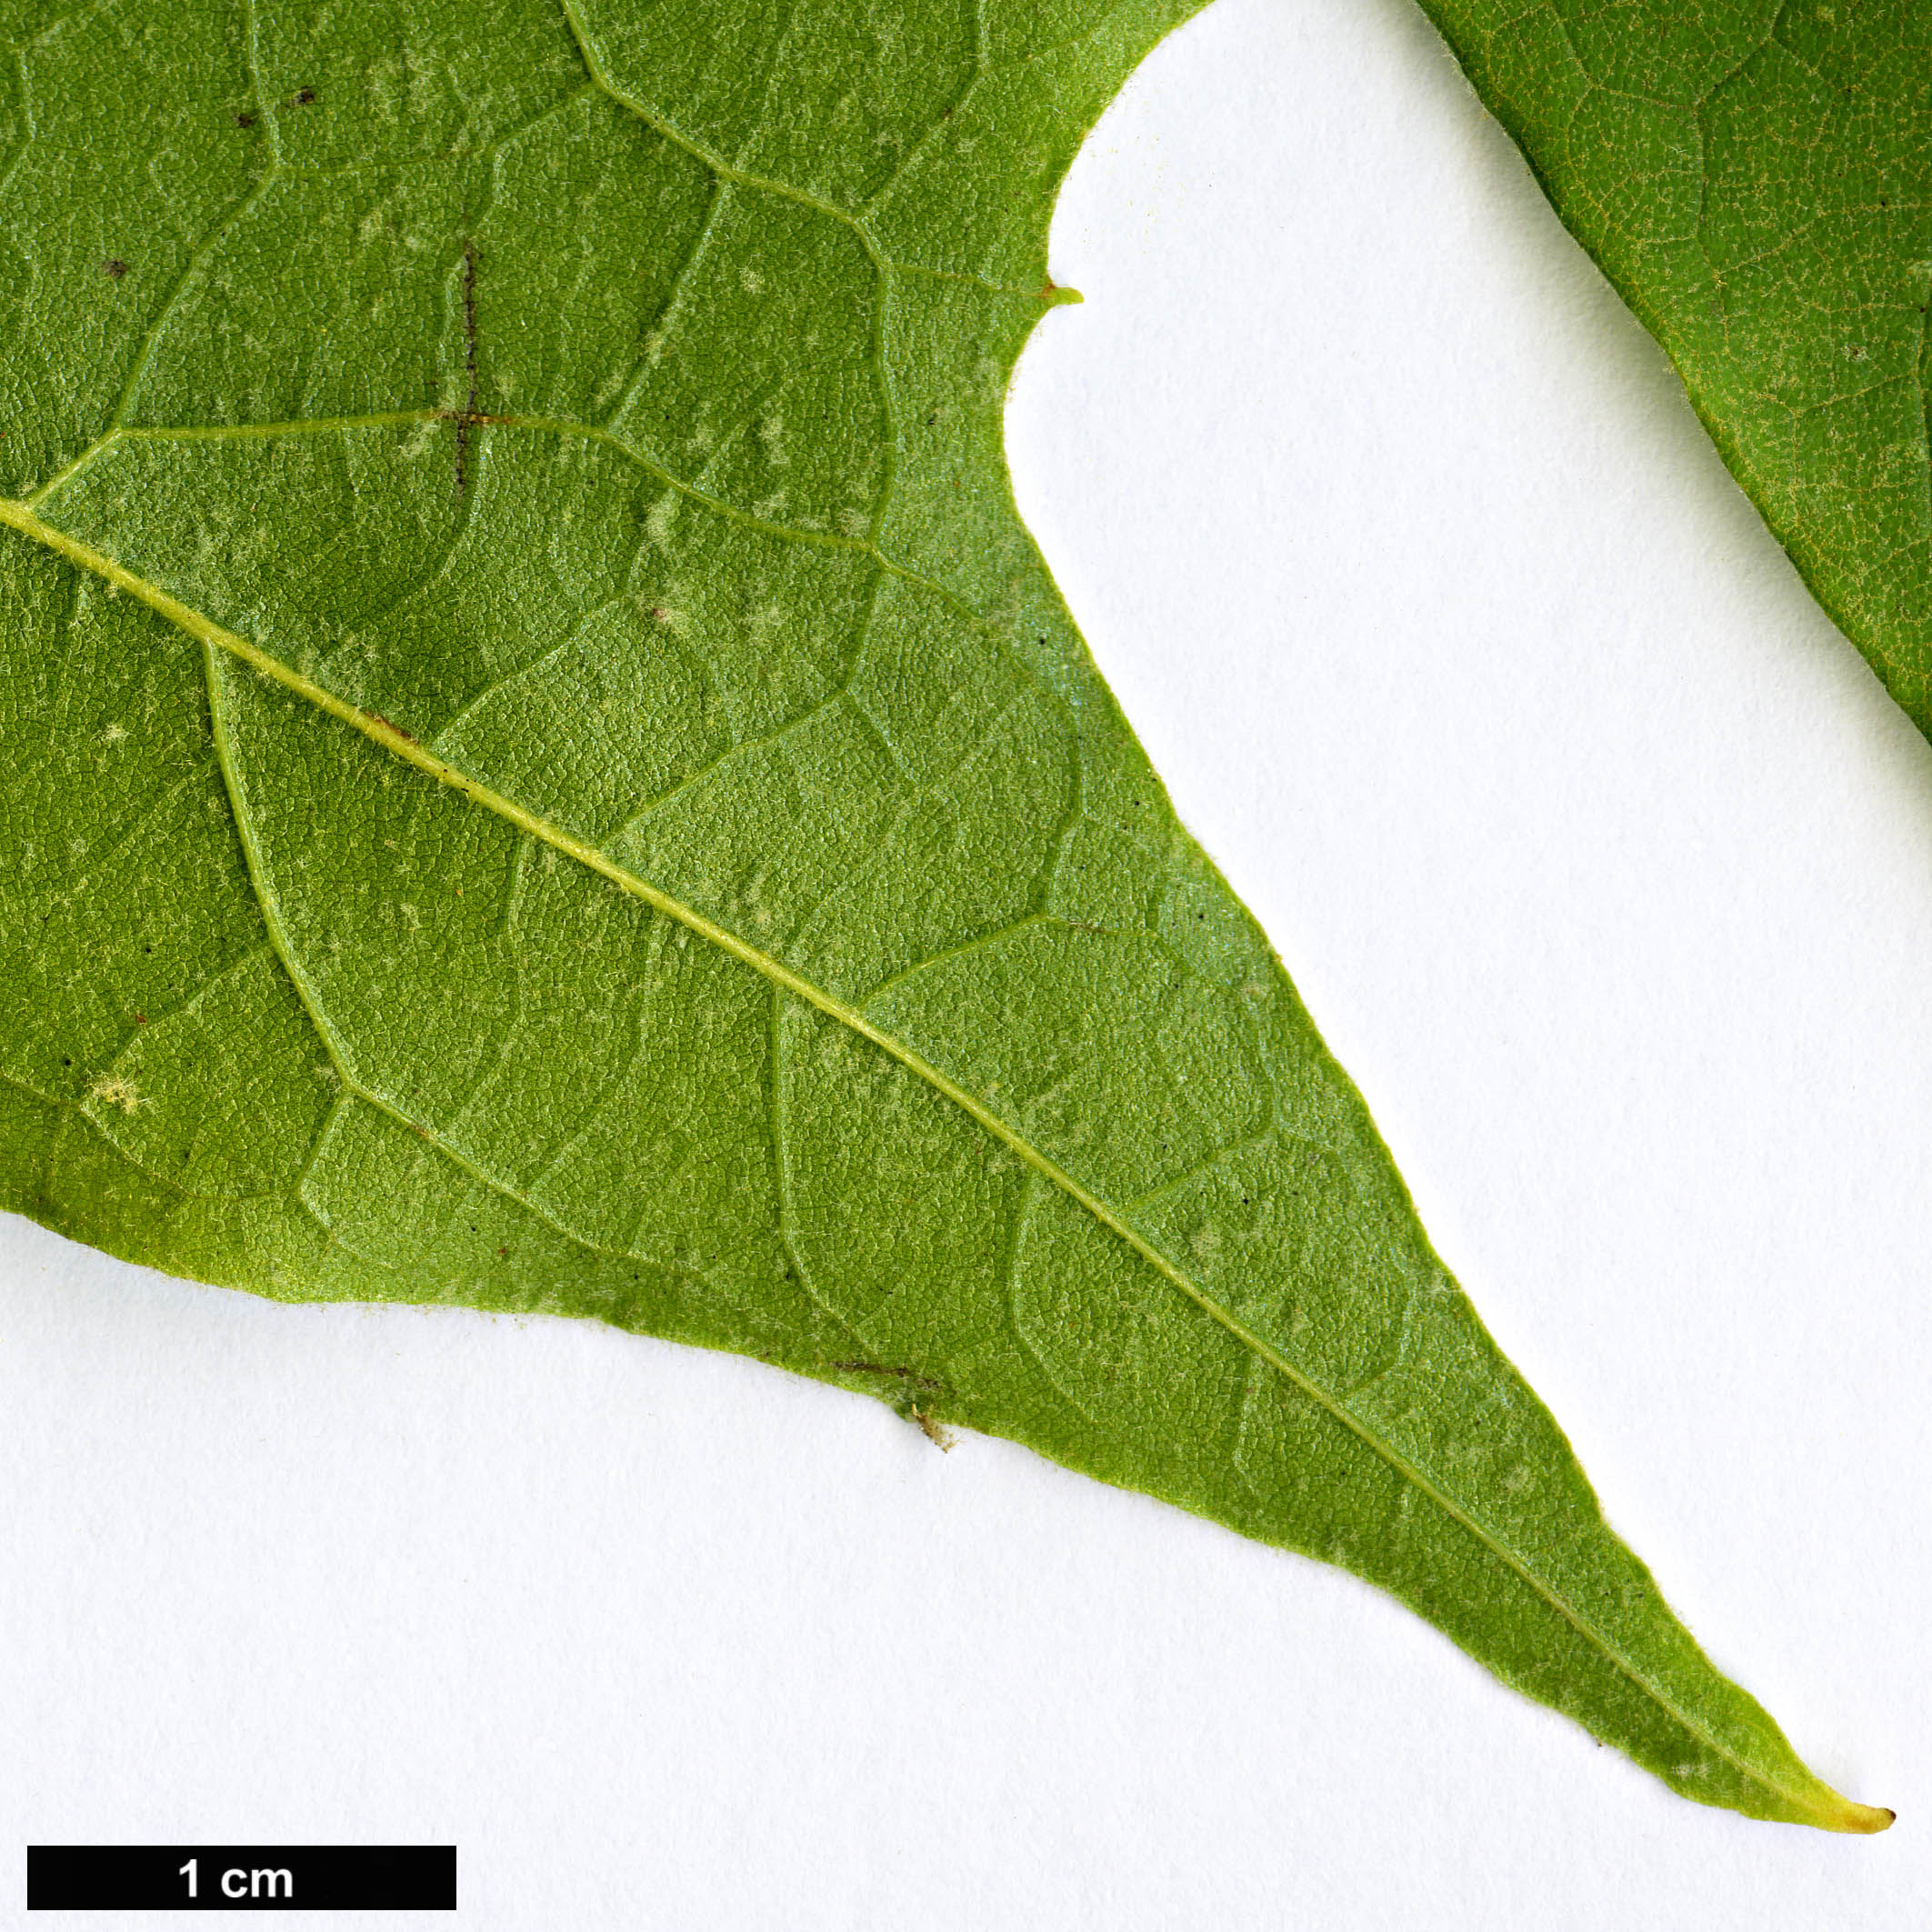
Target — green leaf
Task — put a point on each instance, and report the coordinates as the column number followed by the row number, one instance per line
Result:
column 1755, row 178
column 543, row 772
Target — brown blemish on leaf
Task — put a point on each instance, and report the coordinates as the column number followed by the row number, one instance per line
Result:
column 467, row 414
column 909, row 1377
column 114, row 268
column 375, row 717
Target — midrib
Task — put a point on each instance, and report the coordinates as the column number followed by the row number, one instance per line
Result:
column 22, row 517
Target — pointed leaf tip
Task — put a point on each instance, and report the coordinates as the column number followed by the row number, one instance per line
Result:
column 1866, row 1819
column 1837, row 1813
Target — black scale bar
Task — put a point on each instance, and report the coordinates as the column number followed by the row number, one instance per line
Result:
column 241, row 1877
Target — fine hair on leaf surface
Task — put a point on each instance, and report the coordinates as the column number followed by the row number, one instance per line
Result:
column 544, row 773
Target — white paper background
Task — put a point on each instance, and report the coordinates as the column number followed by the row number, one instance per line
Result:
column 1607, row 868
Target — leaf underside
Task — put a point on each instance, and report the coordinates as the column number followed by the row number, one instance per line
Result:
column 542, row 771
